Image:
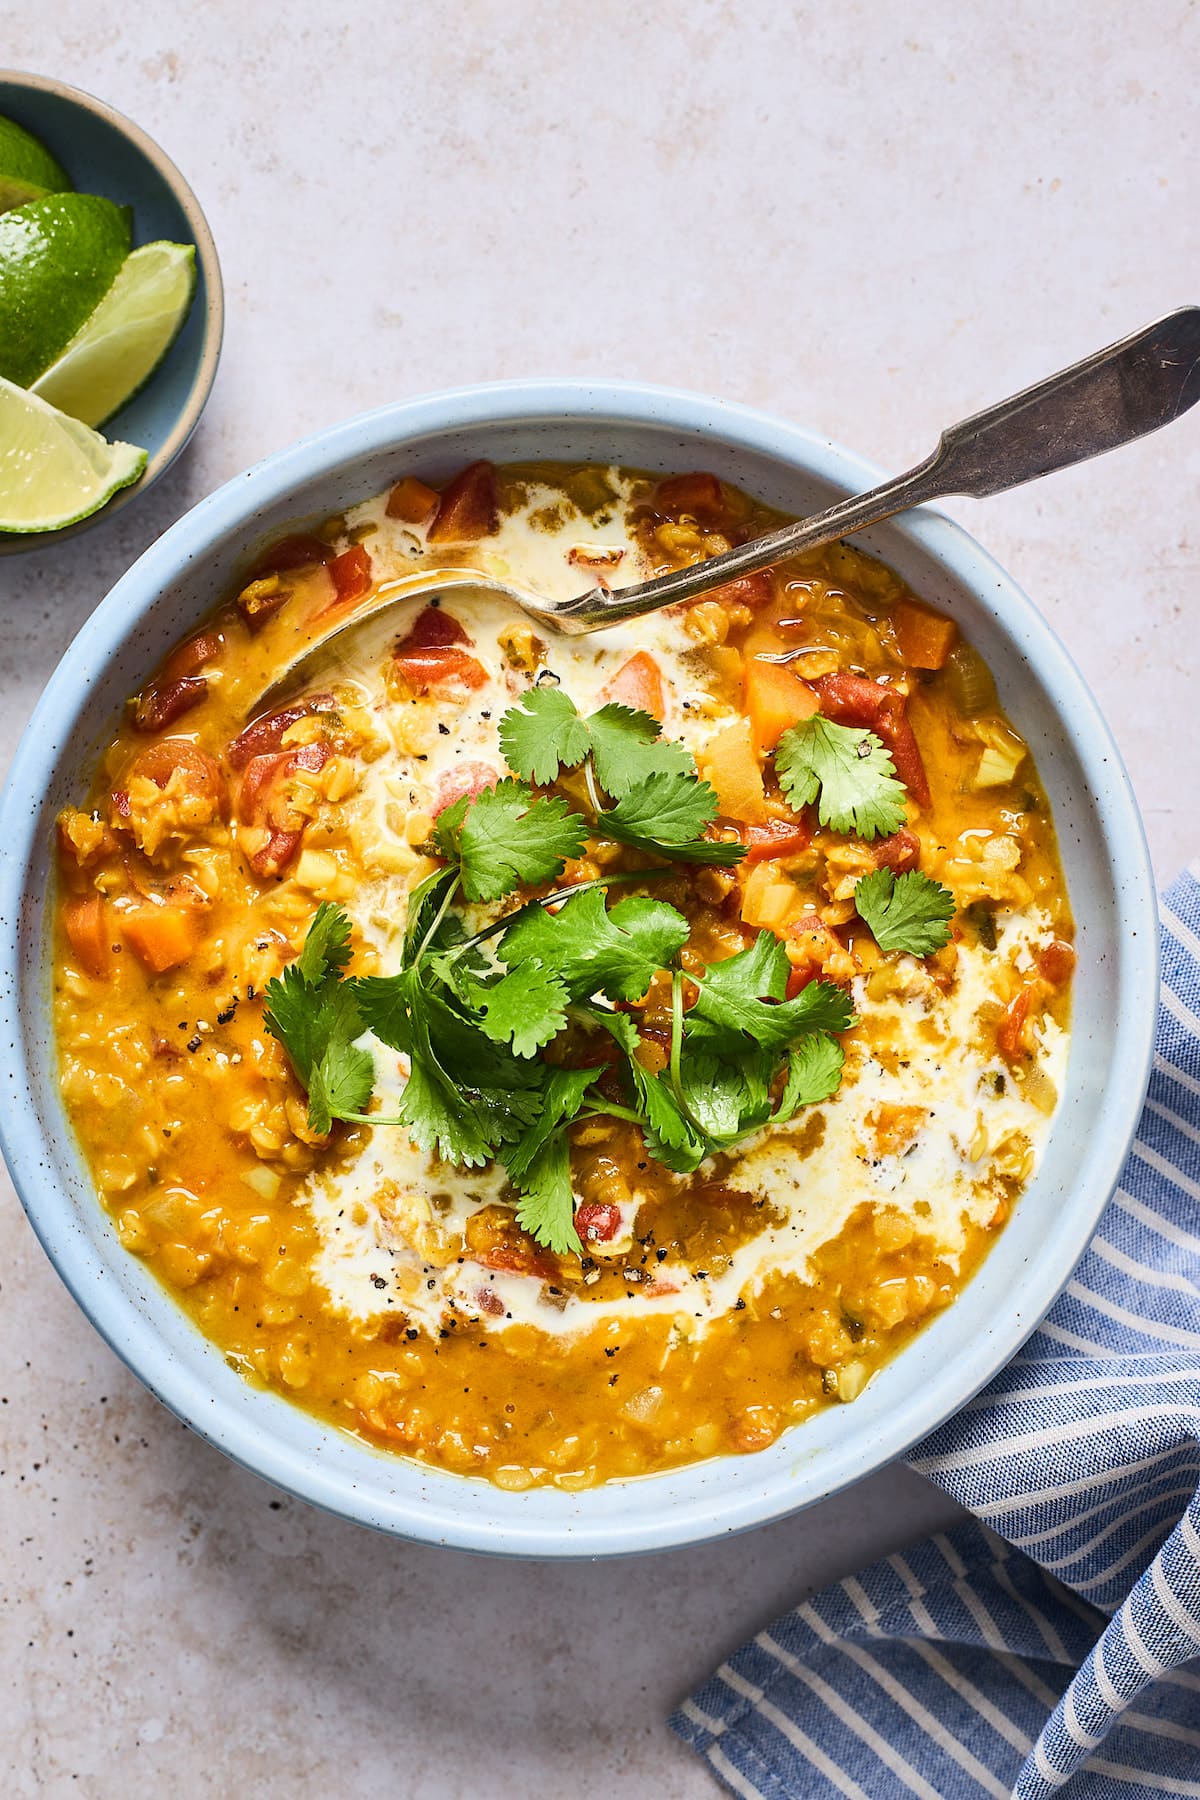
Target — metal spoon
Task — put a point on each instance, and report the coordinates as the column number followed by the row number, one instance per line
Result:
column 1109, row 399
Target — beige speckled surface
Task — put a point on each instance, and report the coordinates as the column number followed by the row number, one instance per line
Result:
column 872, row 218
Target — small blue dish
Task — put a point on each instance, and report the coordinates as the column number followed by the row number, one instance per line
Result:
column 107, row 154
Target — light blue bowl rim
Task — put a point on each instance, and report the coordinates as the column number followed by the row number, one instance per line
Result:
column 269, row 483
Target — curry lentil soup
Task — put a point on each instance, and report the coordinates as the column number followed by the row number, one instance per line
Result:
column 399, row 1296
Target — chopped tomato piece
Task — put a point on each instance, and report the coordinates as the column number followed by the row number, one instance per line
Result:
column 1010, row 1033
column 747, row 590
column 297, row 552
column 495, row 1240
column 775, row 838
column 351, row 575
column 810, row 944
column 467, row 508
column 698, row 493
column 160, row 706
column 192, row 656
column 799, row 978
column 264, row 804
column 268, row 733
column 899, row 853
column 158, row 762
column 162, row 936
column 87, row 932
column 597, row 1221
column 873, row 706
column 440, row 666
column 775, row 700
column 469, row 778
column 639, row 684
column 412, row 501
column 432, row 629
column 1057, row 963
column 923, row 638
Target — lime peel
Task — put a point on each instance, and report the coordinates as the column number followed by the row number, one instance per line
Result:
column 120, row 345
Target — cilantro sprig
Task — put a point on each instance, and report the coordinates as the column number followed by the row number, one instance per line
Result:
column 905, row 912
column 847, row 771
column 492, row 1023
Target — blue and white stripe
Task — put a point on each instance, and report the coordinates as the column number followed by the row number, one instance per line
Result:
column 1043, row 1650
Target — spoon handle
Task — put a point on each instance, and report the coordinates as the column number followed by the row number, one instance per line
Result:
column 1109, row 399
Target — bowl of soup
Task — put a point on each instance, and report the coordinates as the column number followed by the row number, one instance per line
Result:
column 557, row 1095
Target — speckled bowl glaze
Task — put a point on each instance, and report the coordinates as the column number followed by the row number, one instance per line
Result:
column 1103, row 849
column 106, row 154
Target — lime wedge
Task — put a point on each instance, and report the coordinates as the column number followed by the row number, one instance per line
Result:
column 53, row 469
column 27, row 169
column 58, row 258
column 119, row 347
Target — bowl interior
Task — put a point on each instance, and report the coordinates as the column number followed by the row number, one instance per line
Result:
column 106, row 154
column 1107, row 871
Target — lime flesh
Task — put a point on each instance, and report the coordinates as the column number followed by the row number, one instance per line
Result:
column 58, row 258
column 53, row 469
column 119, row 347
column 27, row 169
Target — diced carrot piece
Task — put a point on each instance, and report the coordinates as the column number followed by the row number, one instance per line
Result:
column 162, row 937
column 351, row 575
column 728, row 762
column 776, row 838
column 923, row 638
column 697, row 493
column 639, row 684
column 1057, row 963
column 774, row 700
column 87, row 932
column 1010, row 1033
column 467, row 508
column 297, row 552
column 412, row 501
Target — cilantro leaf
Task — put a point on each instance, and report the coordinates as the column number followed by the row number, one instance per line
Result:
column 543, row 734
column 340, row 1085
column 424, row 903
column 627, row 748
column 727, row 1097
column 847, row 771
column 546, row 1199
column 736, row 995
column 525, row 1008
column 314, row 1014
column 905, row 912
column 440, row 1119
column 326, row 946
column 670, row 1135
column 505, row 838
column 665, row 815
column 539, row 1163
column 814, row 1074
column 593, row 949
column 561, row 1098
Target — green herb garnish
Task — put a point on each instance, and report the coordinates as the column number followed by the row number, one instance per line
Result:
column 905, row 912
column 847, row 771
column 475, row 1013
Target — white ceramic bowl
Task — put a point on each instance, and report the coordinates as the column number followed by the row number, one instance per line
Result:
column 1103, row 851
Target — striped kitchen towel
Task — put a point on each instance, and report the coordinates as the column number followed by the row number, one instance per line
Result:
column 1043, row 1650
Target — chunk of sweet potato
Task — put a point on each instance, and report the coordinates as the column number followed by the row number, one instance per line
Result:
column 161, row 936
column 923, row 638
column 638, row 683
column 775, row 700
column 87, row 932
column 412, row 501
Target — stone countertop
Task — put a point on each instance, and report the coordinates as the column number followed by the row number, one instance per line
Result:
column 870, row 219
